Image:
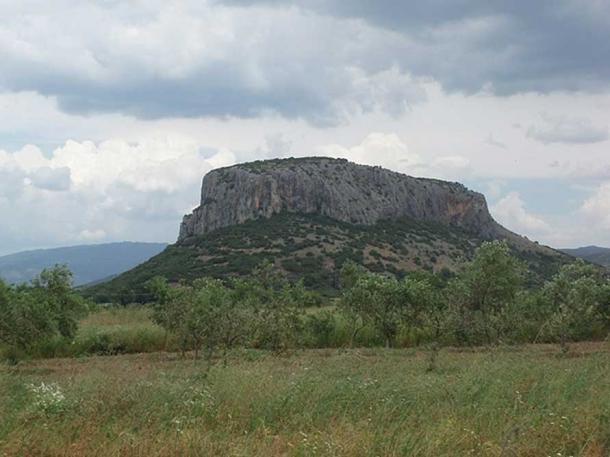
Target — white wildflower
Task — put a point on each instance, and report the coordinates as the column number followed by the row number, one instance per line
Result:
column 48, row 398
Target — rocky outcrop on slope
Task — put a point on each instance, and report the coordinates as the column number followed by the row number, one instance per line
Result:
column 335, row 188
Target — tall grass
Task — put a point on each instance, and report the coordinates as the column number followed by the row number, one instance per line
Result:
column 517, row 402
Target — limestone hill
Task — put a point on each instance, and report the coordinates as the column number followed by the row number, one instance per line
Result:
column 310, row 215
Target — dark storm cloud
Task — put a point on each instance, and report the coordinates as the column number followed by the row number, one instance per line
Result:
column 319, row 60
column 155, row 61
column 515, row 46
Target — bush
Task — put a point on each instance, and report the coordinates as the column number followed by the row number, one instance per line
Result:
column 485, row 303
column 32, row 314
column 576, row 300
column 321, row 330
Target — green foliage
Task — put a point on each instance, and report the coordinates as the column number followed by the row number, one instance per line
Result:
column 31, row 314
column 350, row 274
column 321, row 329
column 480, row 297
column 268, row 311
column 485, row 303
column 577, row 300
column 54, row 288
column 384, row 302
column 424, row 290
column 493, row 278
column 160, row 289
column 24, row 320
column 263, row 310
column 309, row 247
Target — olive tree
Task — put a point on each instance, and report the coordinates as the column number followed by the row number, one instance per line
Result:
column 206, row 316
column 484, row 291
column 425, row 293
column 32, row 313
column 24, row 320
column 54, row 287
column 381, row 301
column 276, row 306
column 577, row 300
column 350, row 274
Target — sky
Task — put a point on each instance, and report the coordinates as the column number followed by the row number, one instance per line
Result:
column 111, row 112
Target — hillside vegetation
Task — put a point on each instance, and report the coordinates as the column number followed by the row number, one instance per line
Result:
column 314, row 248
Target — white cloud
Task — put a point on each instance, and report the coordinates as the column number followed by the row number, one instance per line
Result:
column 597, row 208
column 494, row 188
column 306, row 59
column 118, row 190
column 54, row 179
column 390, row 151
column 453, row 167
column 92, row 235
column 383, row 149
column 510, row 211
column 562, row 129
column 490, row 140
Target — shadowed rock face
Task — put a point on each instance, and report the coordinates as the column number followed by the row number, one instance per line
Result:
column 338, row 189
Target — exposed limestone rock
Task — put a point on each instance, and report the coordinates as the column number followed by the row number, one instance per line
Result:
column 335, row 188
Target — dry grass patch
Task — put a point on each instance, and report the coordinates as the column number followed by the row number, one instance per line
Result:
column 502, row 402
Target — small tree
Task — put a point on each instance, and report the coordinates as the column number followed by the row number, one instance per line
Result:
column 381, row 301
column 206, row 316
column 54, row 287
column 576, row 299
column 350, row 274
column 278, row 322
column 425, row 293
column 24, row 320
column 604, row 308
column 177, row 315
column 484, row 290
column 30, row 314
column 161, row 292
column 273, row 305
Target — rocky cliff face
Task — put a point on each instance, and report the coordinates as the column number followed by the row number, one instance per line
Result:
column 310, row 216
column 335, row 188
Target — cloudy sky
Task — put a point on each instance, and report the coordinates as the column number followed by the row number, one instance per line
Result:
column 111, row 111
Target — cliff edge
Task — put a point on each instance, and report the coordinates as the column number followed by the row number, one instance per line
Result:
column 334, row 188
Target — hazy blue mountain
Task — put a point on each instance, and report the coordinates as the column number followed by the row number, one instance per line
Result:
column 89, row 263
column 594, row 254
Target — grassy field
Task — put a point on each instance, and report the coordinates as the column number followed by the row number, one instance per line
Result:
column 527, row 401
column 129, row 330
column 110, row 332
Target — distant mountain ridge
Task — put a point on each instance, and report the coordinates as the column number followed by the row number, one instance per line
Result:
column 88, row 263
column 594, row 254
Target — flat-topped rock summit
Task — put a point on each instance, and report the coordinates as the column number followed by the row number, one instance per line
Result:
column 309, row 216
column 334, row 188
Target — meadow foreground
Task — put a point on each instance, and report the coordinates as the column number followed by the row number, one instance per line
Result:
column 524, row 401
